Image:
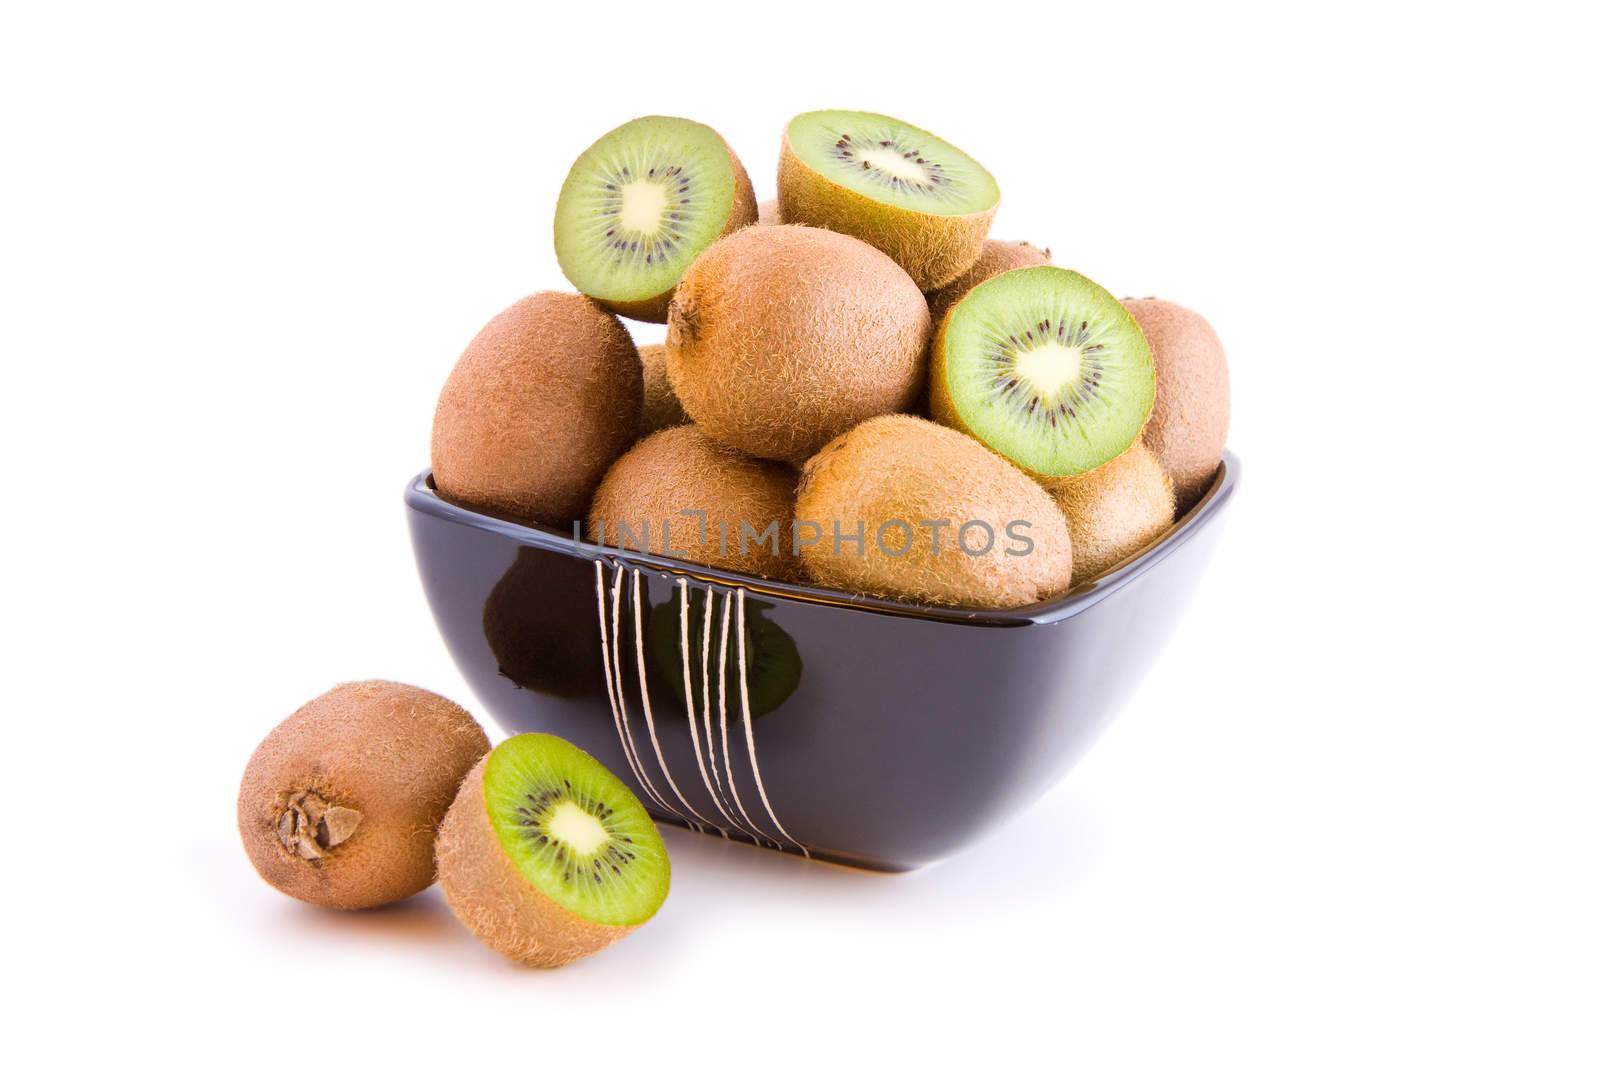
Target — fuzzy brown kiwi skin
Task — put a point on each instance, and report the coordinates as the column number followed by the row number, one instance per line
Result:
column 743, row 213
column 783, row 337
column 1114, row 510
column 933, row 249
column 385, row 759
column 682, row 468
column 661, row 407
column 1188, row 427
column 899, row 467
column 490, row 896
column 542, row 400
column 997, row 257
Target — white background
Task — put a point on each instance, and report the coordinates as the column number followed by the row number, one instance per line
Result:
column 1350, row 817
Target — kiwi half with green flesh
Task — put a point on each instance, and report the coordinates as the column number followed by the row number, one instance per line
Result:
column 546, row 856
column 339, row 804
column 642, row 500
column 997, row 258
column 1046, row 368
column 937, row 513
column 1114, row 510
column 537, row 407
column 661, row 407
column 772, row 662
column 923, row 201
column 1189, row 426
column 640, row 204
column 783, row 337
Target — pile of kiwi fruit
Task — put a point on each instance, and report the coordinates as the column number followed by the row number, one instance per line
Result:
column 919, row 411
column 894, row 403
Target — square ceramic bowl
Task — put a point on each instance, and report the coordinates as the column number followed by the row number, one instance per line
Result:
column 864, row 731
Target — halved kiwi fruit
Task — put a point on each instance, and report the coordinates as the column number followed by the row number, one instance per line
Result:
column 997, row 257
column 1046, row 368
column 772, row 662
column 547, row 856
column 921, row 200
column 640, row 204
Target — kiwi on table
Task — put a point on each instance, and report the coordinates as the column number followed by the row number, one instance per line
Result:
column 643, row 500
column 772, row 661
column 661, row 407
column 546, row 856
column 339, row 804
column 640, row 204
column 783, row 337
column 1046, row 368
column 1114, row 510
column 1189, row 426
column 537, row 407
column 768, row 213
column 941, row 519
column 900, row 189
column 997, row 257
column 538, row 622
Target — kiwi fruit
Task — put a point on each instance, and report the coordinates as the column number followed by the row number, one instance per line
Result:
column 538, row 621
column 997, row 257
column 1189, row 426
column 1046, row 368
column 768, row 213
column 661, row 407
column 680, row 470
column 940, row 519
column 902, row 190
column 339, row 804
column 546, row 856
column 772, row 661
column 783, row 337
column 1114, row 510
column 640, row 204
column 537, row 407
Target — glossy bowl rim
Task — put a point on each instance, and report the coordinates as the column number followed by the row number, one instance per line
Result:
column 421, row 497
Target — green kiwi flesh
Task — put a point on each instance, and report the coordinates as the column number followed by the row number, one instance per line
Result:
column 1046, row 368
column 640, row 204
column 919, row 199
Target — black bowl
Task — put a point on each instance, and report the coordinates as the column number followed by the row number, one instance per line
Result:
column 866, row 731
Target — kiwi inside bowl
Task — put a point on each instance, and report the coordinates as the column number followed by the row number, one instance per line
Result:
column 911, row 730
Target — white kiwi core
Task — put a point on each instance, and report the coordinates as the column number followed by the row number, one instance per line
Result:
column 1050, row 367
column 887, row 159
column 584, row 833
column 643, row 204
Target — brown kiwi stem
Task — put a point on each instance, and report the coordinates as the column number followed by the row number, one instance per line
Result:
column 309, row 827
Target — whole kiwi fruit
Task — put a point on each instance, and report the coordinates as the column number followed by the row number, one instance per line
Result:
column 661, row 407
column 919, row 199
column 643, row 499
column 1188, row 426
column 340, row 803
column 546, row 856
column 941, row 519
column 1114, row 510
column 997, row 257
column 781, row 338
column 537, row 407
